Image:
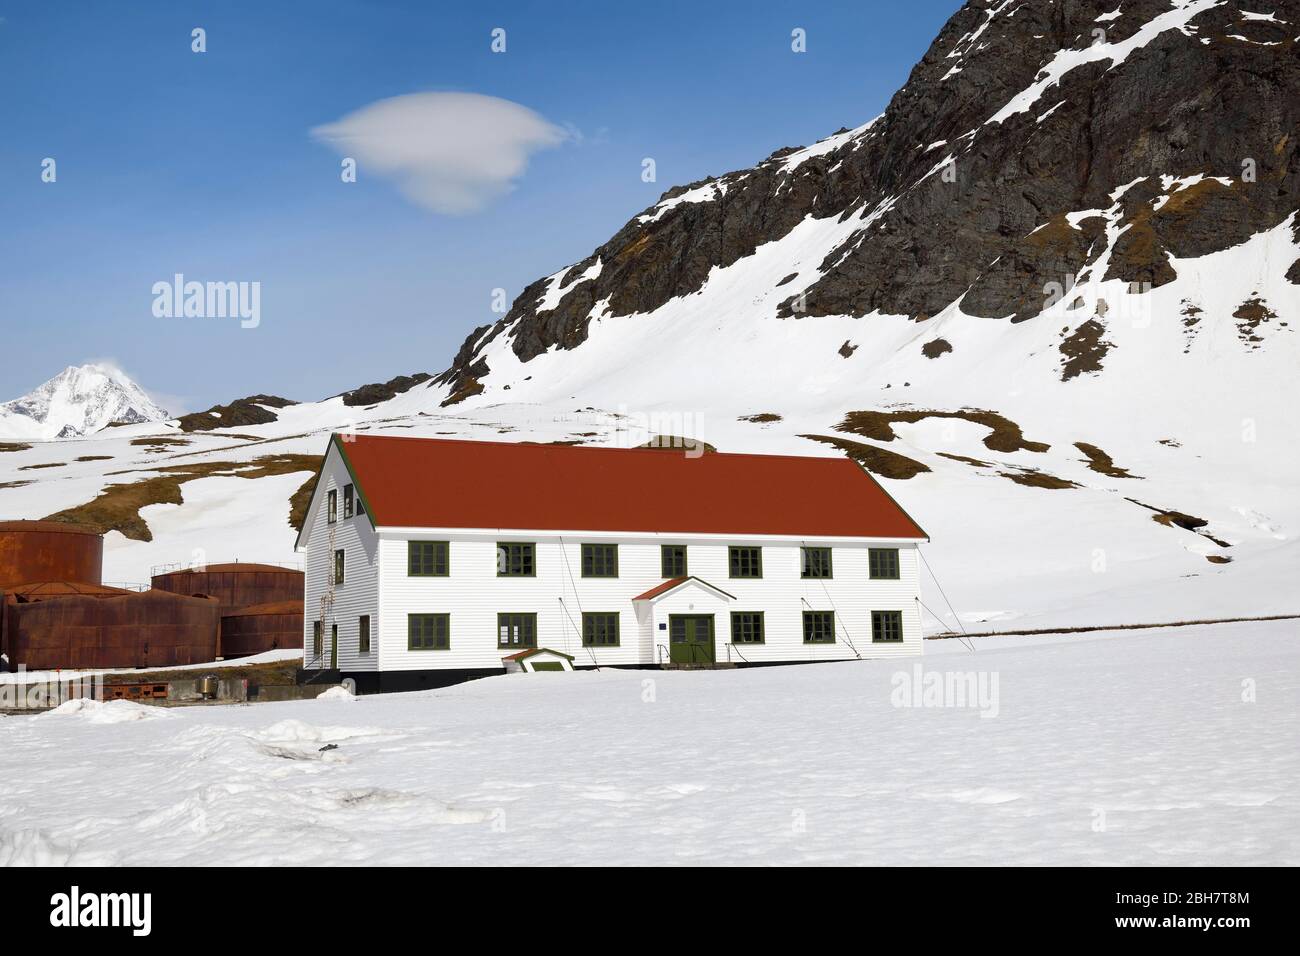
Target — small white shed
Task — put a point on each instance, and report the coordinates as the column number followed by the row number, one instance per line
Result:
column 537, row 659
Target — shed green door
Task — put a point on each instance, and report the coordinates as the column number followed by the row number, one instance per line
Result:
column 548, row 666
column 690, row 638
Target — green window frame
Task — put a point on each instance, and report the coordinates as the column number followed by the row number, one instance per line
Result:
column 363, row 634
column 886, row 627
column 348, row 495
column 428, row 559
column 317, row 640
column 340, row 563
column 428, row 632
column 516, row 630
column 747, row 627
column 672, row 561
column 815, row 563
column 600, row 560
column 819, row 627
column 516, row 559
column 884, row 563
column 332, row 510
column 600, row 629
column 744, row 561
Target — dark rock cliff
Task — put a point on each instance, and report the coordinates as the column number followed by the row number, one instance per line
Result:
column 1161, row 90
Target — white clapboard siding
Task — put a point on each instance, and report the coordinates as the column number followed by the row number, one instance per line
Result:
column 359, row 593
column 473, row 595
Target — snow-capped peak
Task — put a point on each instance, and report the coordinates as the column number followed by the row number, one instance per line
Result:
column 80, row 400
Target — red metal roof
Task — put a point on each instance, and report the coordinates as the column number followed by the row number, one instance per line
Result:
column 437, row 483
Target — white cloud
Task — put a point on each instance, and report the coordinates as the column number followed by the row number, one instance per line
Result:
column 450, row 152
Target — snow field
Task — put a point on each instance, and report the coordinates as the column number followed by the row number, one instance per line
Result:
column 1127, row 748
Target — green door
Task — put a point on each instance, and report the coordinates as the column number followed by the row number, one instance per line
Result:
column 334, row 647
column 690, row 638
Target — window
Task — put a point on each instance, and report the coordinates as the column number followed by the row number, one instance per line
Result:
column 516, row 630
column 886, row 627
column 347, row 501
column 884, row 563
column 427, row 559
column 332, row 512
column 816, row 562
column 317, row 640
column 599, row 629
column 363, row 634
column 819, row 627
column 600, row 560
column 746, row 562
column 428, row 632
column 516, row 559
column 360, row 510
column 338, row 567
column 747, row 627
column 672, row 561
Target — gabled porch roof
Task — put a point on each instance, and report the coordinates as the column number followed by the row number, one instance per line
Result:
column 672, row 584
column 533, row 651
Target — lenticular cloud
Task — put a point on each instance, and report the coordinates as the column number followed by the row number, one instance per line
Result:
column 452, row 153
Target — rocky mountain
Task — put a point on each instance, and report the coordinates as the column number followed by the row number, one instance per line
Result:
column 78, row 401
column 1049, row 297
column 1036, row 146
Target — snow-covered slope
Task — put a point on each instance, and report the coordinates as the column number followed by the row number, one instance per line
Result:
column 80, row 400
column 1129, row 748
column 1073, row 362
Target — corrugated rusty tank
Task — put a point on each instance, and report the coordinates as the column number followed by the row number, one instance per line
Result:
column 262, row 627
column 49, row 551
column 99, row 630
column 235, row 585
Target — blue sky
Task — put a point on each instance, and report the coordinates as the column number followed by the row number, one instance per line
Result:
column 205, row 164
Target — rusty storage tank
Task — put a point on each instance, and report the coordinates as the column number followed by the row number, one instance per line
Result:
column 99, row 630
column 235, row 585
column 49, row 551
column 41, row 590
column 262, row 627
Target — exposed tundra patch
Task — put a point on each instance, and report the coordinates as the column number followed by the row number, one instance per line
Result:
column 1101, row 462
column 1084, row 349
column 878, row 461
column 117, row 507
column 1004, row 434
column 1037, row 479
column 1250, row 315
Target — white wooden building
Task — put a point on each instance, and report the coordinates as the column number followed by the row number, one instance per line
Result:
column 431, row 561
